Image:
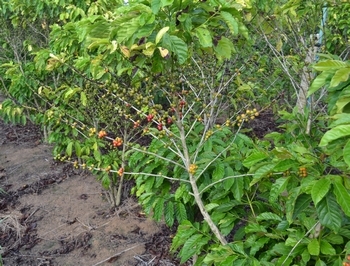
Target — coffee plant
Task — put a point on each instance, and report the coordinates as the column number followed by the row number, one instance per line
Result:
column 166, row 92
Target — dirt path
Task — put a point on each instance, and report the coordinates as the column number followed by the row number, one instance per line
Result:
column 54, row 215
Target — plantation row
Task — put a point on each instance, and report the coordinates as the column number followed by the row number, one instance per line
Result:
column 172, row 94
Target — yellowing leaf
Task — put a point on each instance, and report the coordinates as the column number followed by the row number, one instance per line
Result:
column 83, row 98
column 54, row 57
column 245, row 3
column 161, row 33
column 114, row 46
column 340, row 76
column 279, row 45
column 134, row 47
column 125, row 50
column 163, row 52
column 149, row 51
column 330, row 65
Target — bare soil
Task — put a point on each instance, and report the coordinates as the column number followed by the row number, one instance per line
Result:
column 52, row 214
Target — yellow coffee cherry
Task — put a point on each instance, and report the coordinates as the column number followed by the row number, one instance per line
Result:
column 192, row 169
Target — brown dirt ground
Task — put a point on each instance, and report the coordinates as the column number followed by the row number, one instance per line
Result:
column 54, row 215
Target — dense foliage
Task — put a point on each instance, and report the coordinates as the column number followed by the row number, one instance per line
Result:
column 167, row 92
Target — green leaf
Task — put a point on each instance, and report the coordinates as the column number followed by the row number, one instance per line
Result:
column 169, row 214
column 230, row 21
column 180, row 191
column 167, row 2
column 225, row 207
column 244, row 31
column 158, row 209
column 254, row 228
column 257, row 245
column 284, row 165
column 265, row 216
column 343, row 197
column 320, row 189
column 343, row 101
column 155, row 6
column 334, row 239
column 105, row 181
column 301, row 203
column 211, row 206
column 314, row 247
column 329, row 65
column 238, row 248
column 69, row 149
column 340, row 119
column 290, row 204
column 344, row 232
column 224, row 48
column 97, row 155
column 83, row 98
column 254, row 158
column 127, row 29
column 320, row 81
column 262, row 172
column 327, row 248
column 346, row 153
column 339, row 76
column 177, row 46
column 238, row 188
column 219, row 172
column 320, row 262
column 204, row 37
column 184, row 231
column 281, row 249
column 180, row 212
column 329, row 213
column 228, row 183
column 192, row 246
column 77, row 148
column 277, row 188
column 149, row 183
column 335, row 133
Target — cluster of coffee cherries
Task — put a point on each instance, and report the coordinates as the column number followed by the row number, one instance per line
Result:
column 302, row 172
column 247, row 116
column 192, row 169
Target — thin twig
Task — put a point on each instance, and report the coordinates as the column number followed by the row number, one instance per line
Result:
column 295, row 246
column 115, row 255
column 32, row 214
column 223, row 179
column 159, row 175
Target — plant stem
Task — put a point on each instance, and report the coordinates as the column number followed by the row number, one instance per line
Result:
column 120, row 185
column 195, row 190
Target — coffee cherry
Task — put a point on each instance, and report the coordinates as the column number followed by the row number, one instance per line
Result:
column 192, row 169
column 117, row 142
column 102, row 134
column 150, row 117
column 120, row 171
